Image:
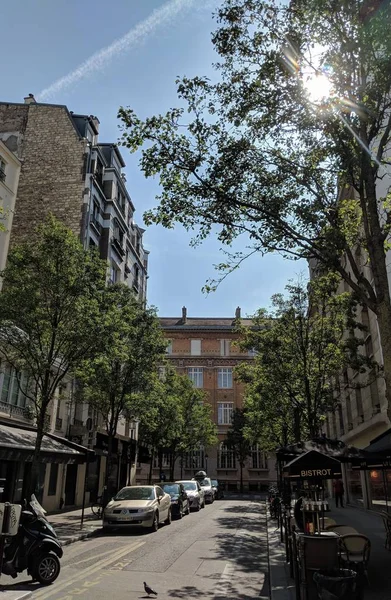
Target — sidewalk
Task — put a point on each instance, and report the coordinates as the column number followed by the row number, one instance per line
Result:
column 370, row 524
column 366, row 522
column 67, row 525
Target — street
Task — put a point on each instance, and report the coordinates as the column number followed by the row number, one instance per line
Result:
column 219, row 552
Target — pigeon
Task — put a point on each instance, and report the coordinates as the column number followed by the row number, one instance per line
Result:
column 149, row 590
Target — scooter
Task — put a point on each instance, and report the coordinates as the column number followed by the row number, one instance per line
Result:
column 35, row 548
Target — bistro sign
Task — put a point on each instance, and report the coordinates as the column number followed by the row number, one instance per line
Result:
column 316, row 473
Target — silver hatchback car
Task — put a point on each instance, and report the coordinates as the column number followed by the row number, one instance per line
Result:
column 195, row 493
column 138, row 506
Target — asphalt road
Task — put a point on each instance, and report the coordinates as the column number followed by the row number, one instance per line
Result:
column 219, row 552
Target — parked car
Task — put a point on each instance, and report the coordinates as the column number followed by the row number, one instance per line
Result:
column 206, row 485
column 140, row 506
column 179, row 501
column 195, row 493
column 217, row 489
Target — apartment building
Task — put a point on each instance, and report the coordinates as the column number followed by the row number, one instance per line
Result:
column 9, row 180
column 207, row 351
column 67, row 171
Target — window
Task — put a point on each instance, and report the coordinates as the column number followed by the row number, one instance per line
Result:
column 52, row 487
column 13, row 387
column 195, row 347
column 95, row 217
column 165, row 461
column 224, row 347
column 169, row 347
column 2, row 170
column 197, row 376
column 224, row 378
column 195, row 459
column 226, row 458
column 136, row 276
column 259, row 458
column 118, row 233
column 225, row 410
column 252, row 352
column 113, row 273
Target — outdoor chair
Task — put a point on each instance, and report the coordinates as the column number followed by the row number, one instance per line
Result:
column 354, row 550
column 387, row 526
column 342, row 529
column 328, row 521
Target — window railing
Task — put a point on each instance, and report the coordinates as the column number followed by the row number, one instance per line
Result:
column 11, row 409
column 2, row 174
column 78, row 422
column 96, row 223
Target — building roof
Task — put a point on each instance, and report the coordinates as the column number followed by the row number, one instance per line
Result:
column 202, row 323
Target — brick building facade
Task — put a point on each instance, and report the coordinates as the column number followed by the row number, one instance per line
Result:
column 205, row 350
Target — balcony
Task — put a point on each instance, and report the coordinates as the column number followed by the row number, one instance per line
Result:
column 15, row 411
column 58, row 426
column 2, row 174
column 95, row 223
column 117, row 243
column 136, row 284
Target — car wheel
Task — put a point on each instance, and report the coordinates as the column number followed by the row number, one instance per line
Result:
column 169, row 517
column 155, row 522
column 198, row 508
column 188, row 509
column 203, row 504
column 180, row 511
column 46, row 568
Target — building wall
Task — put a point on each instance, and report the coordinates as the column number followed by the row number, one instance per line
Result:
column 8, row 189
column 52, row 155
column 210, row 361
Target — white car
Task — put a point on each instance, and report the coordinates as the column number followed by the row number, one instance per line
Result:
column 195, row 493
column 138, row 506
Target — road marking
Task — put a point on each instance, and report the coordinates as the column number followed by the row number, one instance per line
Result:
column 89, row 571
column 78, row 562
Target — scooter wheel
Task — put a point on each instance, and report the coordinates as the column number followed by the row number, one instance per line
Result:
column 46, row 568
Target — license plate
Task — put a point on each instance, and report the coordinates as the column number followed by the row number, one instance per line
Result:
column 126, row 518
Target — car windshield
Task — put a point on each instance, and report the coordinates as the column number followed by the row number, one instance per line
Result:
column 205, row 482
column 190, row 485
column 136, row 493
column 171, row 488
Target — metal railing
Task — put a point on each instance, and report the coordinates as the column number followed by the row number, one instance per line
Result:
column 2, row 174
column 58, row 425
column 11, row 409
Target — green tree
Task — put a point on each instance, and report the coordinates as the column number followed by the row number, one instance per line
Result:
column 131, row 347
column 302, row 348
column 252, row 154
column 49, row 315
column 238, row 440
column 175, row 419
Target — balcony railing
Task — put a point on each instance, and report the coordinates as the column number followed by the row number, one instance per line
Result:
column 78, row 422
column 2, row 174
column 58, row 424
column 94, row 221
column 12, row 410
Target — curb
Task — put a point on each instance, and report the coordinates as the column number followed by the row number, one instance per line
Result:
column 80, row 536
column 281, row 588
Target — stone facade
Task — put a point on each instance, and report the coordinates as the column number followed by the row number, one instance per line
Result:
column 52, row 174
column 206, row 350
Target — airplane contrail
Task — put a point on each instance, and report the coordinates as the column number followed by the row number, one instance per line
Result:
column 100, row 59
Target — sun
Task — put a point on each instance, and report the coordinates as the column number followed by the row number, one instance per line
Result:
column 317, row 85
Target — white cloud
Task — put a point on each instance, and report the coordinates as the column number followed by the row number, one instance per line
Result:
column 100, row 59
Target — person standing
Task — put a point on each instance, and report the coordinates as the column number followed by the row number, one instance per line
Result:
column 338, row 492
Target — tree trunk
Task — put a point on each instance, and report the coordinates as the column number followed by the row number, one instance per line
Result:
column 241, row 478
column 109, row 465
column 151, row 466
column 384, row 319
column 297, row 424
column 160, row 463
column 33, row 481
column 172, row 466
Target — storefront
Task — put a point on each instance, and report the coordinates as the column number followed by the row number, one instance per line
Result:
column 62, row 466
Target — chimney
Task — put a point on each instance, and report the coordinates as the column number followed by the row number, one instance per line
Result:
column 237, row 313
column 30, row 99
column 184, row 314
column 95, row 122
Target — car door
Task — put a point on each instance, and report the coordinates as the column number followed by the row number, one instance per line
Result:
column 184, row 498
column 165, row 503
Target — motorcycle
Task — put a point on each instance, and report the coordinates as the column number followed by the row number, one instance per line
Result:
column 35, row 548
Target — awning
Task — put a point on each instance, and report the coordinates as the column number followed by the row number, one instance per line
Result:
column 17, row 443
column 313, row 465
column 382, row 443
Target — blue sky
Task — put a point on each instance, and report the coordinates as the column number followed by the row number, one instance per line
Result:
column 48, row 39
